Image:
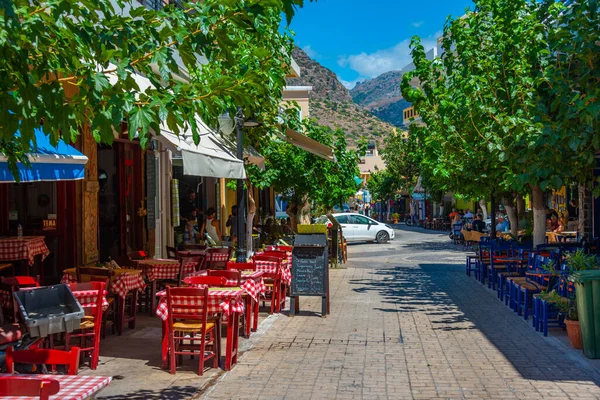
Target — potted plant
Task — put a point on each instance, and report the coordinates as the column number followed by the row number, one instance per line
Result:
column 395, row 217
column 568, row 309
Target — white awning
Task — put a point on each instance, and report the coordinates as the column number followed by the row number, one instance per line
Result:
column 312, row 146
column 210, row 158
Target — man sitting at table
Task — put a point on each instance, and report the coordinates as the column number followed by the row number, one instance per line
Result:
column 478, row 224
column 502, row 225
column 468, row 214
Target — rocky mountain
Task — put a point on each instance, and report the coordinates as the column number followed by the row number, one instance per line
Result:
column 331, row 103
column 382, row 97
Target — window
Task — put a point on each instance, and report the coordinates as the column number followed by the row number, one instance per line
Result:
column 359, row 219
column 342, row 219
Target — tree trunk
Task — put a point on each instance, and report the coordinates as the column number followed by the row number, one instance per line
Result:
column 511, row 211
column 305, row 212
column 520, row 207
column 539, row 215
column 585, row 212
column 441, row 215
column 483, row 206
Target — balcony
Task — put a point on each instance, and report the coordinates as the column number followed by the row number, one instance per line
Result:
column 410, row 116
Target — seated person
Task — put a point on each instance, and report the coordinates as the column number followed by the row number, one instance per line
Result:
column 468, row 214
column 556, row 225
column 502, row 225
column 191, row 229
column 478, row 224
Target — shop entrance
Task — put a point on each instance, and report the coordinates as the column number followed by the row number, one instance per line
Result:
column 120, row 195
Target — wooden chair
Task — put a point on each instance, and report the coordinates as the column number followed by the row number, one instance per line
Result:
column 209, row 281
column 236, row 266
column 233, row 277
column 282, row 255
column 90, row 325
column 70, row 359
column 216, row 258
column 171, row 252
column 21, row 386
column 272, row 281
column 111, row 317
column 188, row 321
column 14, row 283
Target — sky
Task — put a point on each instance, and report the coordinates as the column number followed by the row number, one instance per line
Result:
column 360, row 39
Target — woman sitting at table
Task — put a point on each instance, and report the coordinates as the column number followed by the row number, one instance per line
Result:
column 556, row 225
column 211, row 226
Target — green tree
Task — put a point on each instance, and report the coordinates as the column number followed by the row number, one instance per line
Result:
column 486, row 101
column 71, row 62
column 304, row 178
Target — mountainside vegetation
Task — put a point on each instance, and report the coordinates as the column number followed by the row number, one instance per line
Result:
column 331, row 103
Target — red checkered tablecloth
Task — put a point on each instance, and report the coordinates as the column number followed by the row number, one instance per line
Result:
column 26, row 248
column 219, row 300
column 72, row 387
column 123, row 283
column 164, row 269
column 87, row 298
column 251, row 282
column 271, row 267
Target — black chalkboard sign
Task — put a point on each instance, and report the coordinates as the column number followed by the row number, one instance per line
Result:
column 150, row 192
column 310, row 270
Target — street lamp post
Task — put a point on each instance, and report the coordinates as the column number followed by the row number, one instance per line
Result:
column 241, row 199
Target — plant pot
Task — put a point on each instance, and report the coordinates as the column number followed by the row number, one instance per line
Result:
column 395, row 221
column 574, row 332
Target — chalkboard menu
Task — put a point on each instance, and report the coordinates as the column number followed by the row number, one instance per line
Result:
column 150, row 192
column 309, row 272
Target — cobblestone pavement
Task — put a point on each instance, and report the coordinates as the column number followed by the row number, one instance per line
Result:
column 406, row 323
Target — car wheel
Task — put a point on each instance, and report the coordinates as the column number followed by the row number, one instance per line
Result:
column 383, row 237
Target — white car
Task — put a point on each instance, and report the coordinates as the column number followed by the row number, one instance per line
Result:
column 359, row 228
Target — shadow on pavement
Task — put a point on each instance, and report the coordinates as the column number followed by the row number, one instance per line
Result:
column 171, row 393
column 454, row 302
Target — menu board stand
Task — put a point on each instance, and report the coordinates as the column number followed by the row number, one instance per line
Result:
column 310, row 271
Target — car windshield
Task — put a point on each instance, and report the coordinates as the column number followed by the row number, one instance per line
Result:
column 322, row 220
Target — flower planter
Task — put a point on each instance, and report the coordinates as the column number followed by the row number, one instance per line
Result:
column 574, row 332
column 395, row 221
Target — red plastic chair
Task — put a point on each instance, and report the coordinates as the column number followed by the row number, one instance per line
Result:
column 19, row 386
column 272, row 281
column 214, row 281
column 188, row 321
column 90, row 325
column 43, row 356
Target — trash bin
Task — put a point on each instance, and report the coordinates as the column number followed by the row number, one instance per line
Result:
column 587, row 285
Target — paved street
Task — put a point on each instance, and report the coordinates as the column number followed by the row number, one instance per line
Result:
column 406, row 323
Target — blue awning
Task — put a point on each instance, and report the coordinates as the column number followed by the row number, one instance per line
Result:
column 48, row 163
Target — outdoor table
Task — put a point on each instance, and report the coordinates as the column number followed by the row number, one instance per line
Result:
column 227, row 301
column 155, row 269
column 72, row 387
column 13, row 248
column 254, row 285
column 87, row 298
column 123, row 281
column 270, row 267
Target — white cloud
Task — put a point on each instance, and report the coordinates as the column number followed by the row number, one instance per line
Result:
column 312, row 53
column 350, row 84
column 417, row 24
column 395, row 58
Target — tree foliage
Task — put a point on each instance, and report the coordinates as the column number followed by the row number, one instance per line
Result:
column 491, row 106
column 70, row 63
column 301, row 176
